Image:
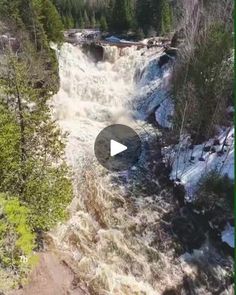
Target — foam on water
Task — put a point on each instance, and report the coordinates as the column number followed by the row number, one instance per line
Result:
column 109, row 256
column 114, row 242
column 92, row 95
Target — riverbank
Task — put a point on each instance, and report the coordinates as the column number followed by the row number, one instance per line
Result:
column 51, row 276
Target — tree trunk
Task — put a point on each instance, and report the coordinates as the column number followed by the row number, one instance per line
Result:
column 22, row 133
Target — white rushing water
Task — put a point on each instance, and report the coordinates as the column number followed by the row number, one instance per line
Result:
column 95, row 95
column 115, row 241
column 92, row 95
column 104, row 235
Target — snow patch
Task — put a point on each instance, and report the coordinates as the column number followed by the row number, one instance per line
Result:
column 228, row 235
column 190, row 164
column 113, row 39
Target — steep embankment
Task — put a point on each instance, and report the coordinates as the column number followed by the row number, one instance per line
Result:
column 50, row 277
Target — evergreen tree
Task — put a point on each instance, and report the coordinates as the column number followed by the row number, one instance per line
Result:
column 68, row 22
column 122, row 15
column 103, row 24
column 144, row 14
column 51, row 21
column 140, row 34
column 154, row 16
column 157, row 15
column 41, row 185
column 34, row 184
column 86, row 20
column 40, row 18
column 166, row 18
column 93, row 21
column 81, row 23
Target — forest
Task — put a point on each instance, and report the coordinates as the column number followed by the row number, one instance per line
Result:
column 37, row 185
column 144, row 17
column 34, row 183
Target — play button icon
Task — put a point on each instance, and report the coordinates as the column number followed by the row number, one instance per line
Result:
column 117, row 147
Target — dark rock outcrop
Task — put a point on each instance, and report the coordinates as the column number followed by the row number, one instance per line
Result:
column 176, row 39
column 163, row 60
column 216, row 142
column 188, row 233
column 172, row 51
column 94, row 50
column 179, row 193
column 207, row 148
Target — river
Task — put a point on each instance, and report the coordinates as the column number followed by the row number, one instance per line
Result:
column 118, row 238
column 111, row 232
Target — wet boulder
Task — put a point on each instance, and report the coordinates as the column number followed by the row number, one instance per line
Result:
column 188, row 233
column 151, row 119
column 171, row 292
column 216, row 142
column 94, row 50
column 171, row 51
column 163, row 60
column 207, row 148
column 229, row 251
column 179, row 193
column 150, row 43
column 174, row 41
column 177, row 38
column 213, row 150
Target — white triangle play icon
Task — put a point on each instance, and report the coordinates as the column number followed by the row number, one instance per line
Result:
column 116, row 148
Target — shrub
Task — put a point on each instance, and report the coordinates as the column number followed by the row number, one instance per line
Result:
column 215, row 190
column 16, row 238
column 47, row 193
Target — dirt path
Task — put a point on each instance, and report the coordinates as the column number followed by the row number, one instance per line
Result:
column 50, row 277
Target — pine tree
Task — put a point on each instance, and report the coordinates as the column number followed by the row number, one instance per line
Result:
column 122, row 15
column 166, row 18
column 51, row 21
column 103, row 24
column 157, row 15
column 40, row 18
column 40, row 184
column 93, row 20
column 10, row 164
column 81, row 23
column 150, row 16
column 144, row 14
column 35, row 188
column 68, row 22
column 140, row 34
column 86, row 20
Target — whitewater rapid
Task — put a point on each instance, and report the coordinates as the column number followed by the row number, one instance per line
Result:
column 103, row 234
column 92, row 96
column 117, row 241
column 95, row 95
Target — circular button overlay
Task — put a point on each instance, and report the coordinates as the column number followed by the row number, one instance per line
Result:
column 117, row 147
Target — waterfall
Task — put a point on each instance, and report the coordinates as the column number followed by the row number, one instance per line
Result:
column 94, row 95
column 111, row 240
